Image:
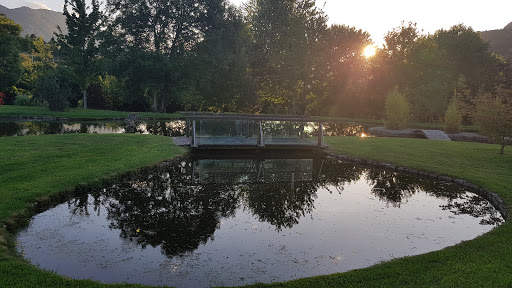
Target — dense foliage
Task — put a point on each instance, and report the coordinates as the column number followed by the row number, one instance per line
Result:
column 266, row 57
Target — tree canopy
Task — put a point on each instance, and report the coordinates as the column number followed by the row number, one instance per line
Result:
column 267, row 57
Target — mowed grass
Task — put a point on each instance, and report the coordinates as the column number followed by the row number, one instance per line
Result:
column 75, row 113
column 34, row 167
column 482, row 262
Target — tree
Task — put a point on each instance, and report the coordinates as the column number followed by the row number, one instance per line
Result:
column 10, row 60
column 493, row 114
column 453, row 118
column 54, row 92
column 347, row 70
column 221, row 66
column 161, row 34
column 287, row 36
column 79, row 47
column 468, row 54
column 39, row 61
column 397, row 110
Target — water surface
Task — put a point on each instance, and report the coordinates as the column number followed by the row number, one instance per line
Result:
column 205, row 221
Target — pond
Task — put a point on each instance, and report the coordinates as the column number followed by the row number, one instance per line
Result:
column 25, row 128
column 205, row 220
column 173, row 128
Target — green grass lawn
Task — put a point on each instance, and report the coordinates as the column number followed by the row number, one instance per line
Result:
column 75, row 113
column 34, row 167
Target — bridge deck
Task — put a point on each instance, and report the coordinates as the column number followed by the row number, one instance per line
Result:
column 238, row 131
column 241, row 142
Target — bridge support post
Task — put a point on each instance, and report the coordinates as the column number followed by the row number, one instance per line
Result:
column 193, row 142
column 260, row 135
column 320, row 134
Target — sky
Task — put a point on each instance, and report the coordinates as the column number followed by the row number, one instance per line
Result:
column 377, row 17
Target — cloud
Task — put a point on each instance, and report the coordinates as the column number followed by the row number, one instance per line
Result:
column 35, row 5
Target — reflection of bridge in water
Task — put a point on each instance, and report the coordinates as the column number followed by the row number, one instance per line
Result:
column 205, row 171
column 242, row 131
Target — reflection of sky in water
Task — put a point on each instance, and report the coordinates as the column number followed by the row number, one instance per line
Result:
column 175, row 128
column 167, row 128
column 345, row 217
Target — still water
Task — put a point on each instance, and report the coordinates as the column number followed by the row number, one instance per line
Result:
column 21, row 128
column 175, row 128
column 203, row 221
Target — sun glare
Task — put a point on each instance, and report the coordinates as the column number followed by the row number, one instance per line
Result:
column 369, row 51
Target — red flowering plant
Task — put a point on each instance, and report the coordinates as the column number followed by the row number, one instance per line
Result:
column 2, row 96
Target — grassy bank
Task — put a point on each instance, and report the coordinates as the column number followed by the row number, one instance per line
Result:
column 93, row 114
column 37, row 166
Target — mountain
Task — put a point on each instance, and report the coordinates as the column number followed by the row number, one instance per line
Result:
column 40, row 22
column 500, row 40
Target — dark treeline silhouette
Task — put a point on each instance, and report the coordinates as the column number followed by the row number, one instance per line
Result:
column 266, row 57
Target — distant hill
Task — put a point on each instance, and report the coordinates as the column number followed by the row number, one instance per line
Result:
column 500, row 40
column 40, row 22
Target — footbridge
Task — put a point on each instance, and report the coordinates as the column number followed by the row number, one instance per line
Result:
column 243, row 131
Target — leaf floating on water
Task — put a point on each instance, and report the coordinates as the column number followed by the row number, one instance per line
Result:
column 138, row 230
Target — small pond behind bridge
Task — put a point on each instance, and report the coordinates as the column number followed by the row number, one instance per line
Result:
column 206, row 220
column 173, row 128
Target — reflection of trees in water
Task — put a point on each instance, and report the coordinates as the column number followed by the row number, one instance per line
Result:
column 169, row 128
column 287, row 129
column 281, row 204
column 343, row 129
column 162, row 207
column 476, row 207
column 394, row 188
column 158, row 208
column 391, row 187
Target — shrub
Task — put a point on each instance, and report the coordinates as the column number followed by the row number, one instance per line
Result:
column 23, row 100
column 453, row 118
column 52, row 91
column 398, row 110
column 493, row 114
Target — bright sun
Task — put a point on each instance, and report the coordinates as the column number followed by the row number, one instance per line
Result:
column 369, row 51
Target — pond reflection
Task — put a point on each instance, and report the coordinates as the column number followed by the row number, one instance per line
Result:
column 292, row 214
column 175, row 128
column 29, row 128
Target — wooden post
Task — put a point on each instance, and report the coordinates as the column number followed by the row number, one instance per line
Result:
column 193, row 142
column 260, row 135
column 321, row 134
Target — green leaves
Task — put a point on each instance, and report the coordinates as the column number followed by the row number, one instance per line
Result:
column 397, row 110
column 10, row 61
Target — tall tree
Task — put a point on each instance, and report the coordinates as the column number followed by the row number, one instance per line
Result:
column 221, row 64
column 79, row 47
column 166, row 29
column 287, row 35
column 346, row 68
column 469, row 55
column 10, row 60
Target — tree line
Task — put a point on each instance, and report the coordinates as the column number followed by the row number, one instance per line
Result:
column 265, row 57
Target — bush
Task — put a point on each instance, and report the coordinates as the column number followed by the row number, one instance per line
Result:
column 493, row 114
column 23, row 100
column 453, row 118
column 52, row 91
column 398, row 110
